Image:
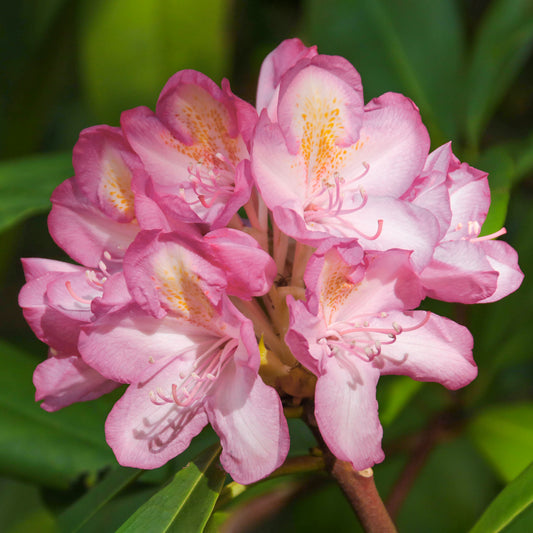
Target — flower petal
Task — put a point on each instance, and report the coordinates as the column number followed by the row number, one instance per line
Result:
column 346, row 411
column 439, row 350
column 274, row 66
column 248, row 417
column 459, row 272
column 147, row 434
column 125, row 344
column 63, row 380
column 503, row 259
column 84, row 231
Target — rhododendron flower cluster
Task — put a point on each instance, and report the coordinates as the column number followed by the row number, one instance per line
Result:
column 235, row 260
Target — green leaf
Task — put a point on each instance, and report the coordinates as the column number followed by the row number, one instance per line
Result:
column 387, row 41
column 215, row 522
column 27, row 183
column 129, row 48
column 78, row 514
column 512, row 507
column 504, row 435
column 186, row 503
column 53, row 449
column 502, row 45
column 22, row 508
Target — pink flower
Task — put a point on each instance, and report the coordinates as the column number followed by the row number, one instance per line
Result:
column 275, row 65
column 93, row 220
column 93, row 213
column 170, row 274
column 56, row 301
column 194, row 149
column 191, row 358
column 329, row 166
column 465, row 267
column 357, row 325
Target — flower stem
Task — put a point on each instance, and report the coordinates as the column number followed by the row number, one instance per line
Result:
column 360, row 490
column 358, row 487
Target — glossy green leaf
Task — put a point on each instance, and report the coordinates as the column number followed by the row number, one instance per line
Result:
column 504, row 435
column 512, row 508
column 217, row 519
column 22, row 508
column 129, row 48
column 502, row 45
column 186, row 503
column 387, row 41
column 48, row 448
column 78, row 514
column 27, row 183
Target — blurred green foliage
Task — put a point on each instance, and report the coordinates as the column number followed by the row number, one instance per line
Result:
column 68, row 64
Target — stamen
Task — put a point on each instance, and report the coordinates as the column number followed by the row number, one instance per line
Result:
column 376, row 235
column 68, row 285
column 206, row 370
column 341, row 342
column 155, row 400
column 494, row 235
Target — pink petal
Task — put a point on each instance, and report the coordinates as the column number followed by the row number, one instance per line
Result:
column 83, row 231
column 51, row 320
column 105, row 165
column 320, row 106
column 381, row 282
column 279, row 179
column 347, row 412
column 249, row 269
column 459, row 272
column 147, row 434
column 165, row 273
column 125, row 344
column 504, row 260
column 274, row 66
column 172, row 160
column 430, row 190
column 248, row 417
column 469, row 200
column 35, row 267
column 394, row 144
column 439, row 350
column 304, row 330
column 404, row 226
column 64, row 380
